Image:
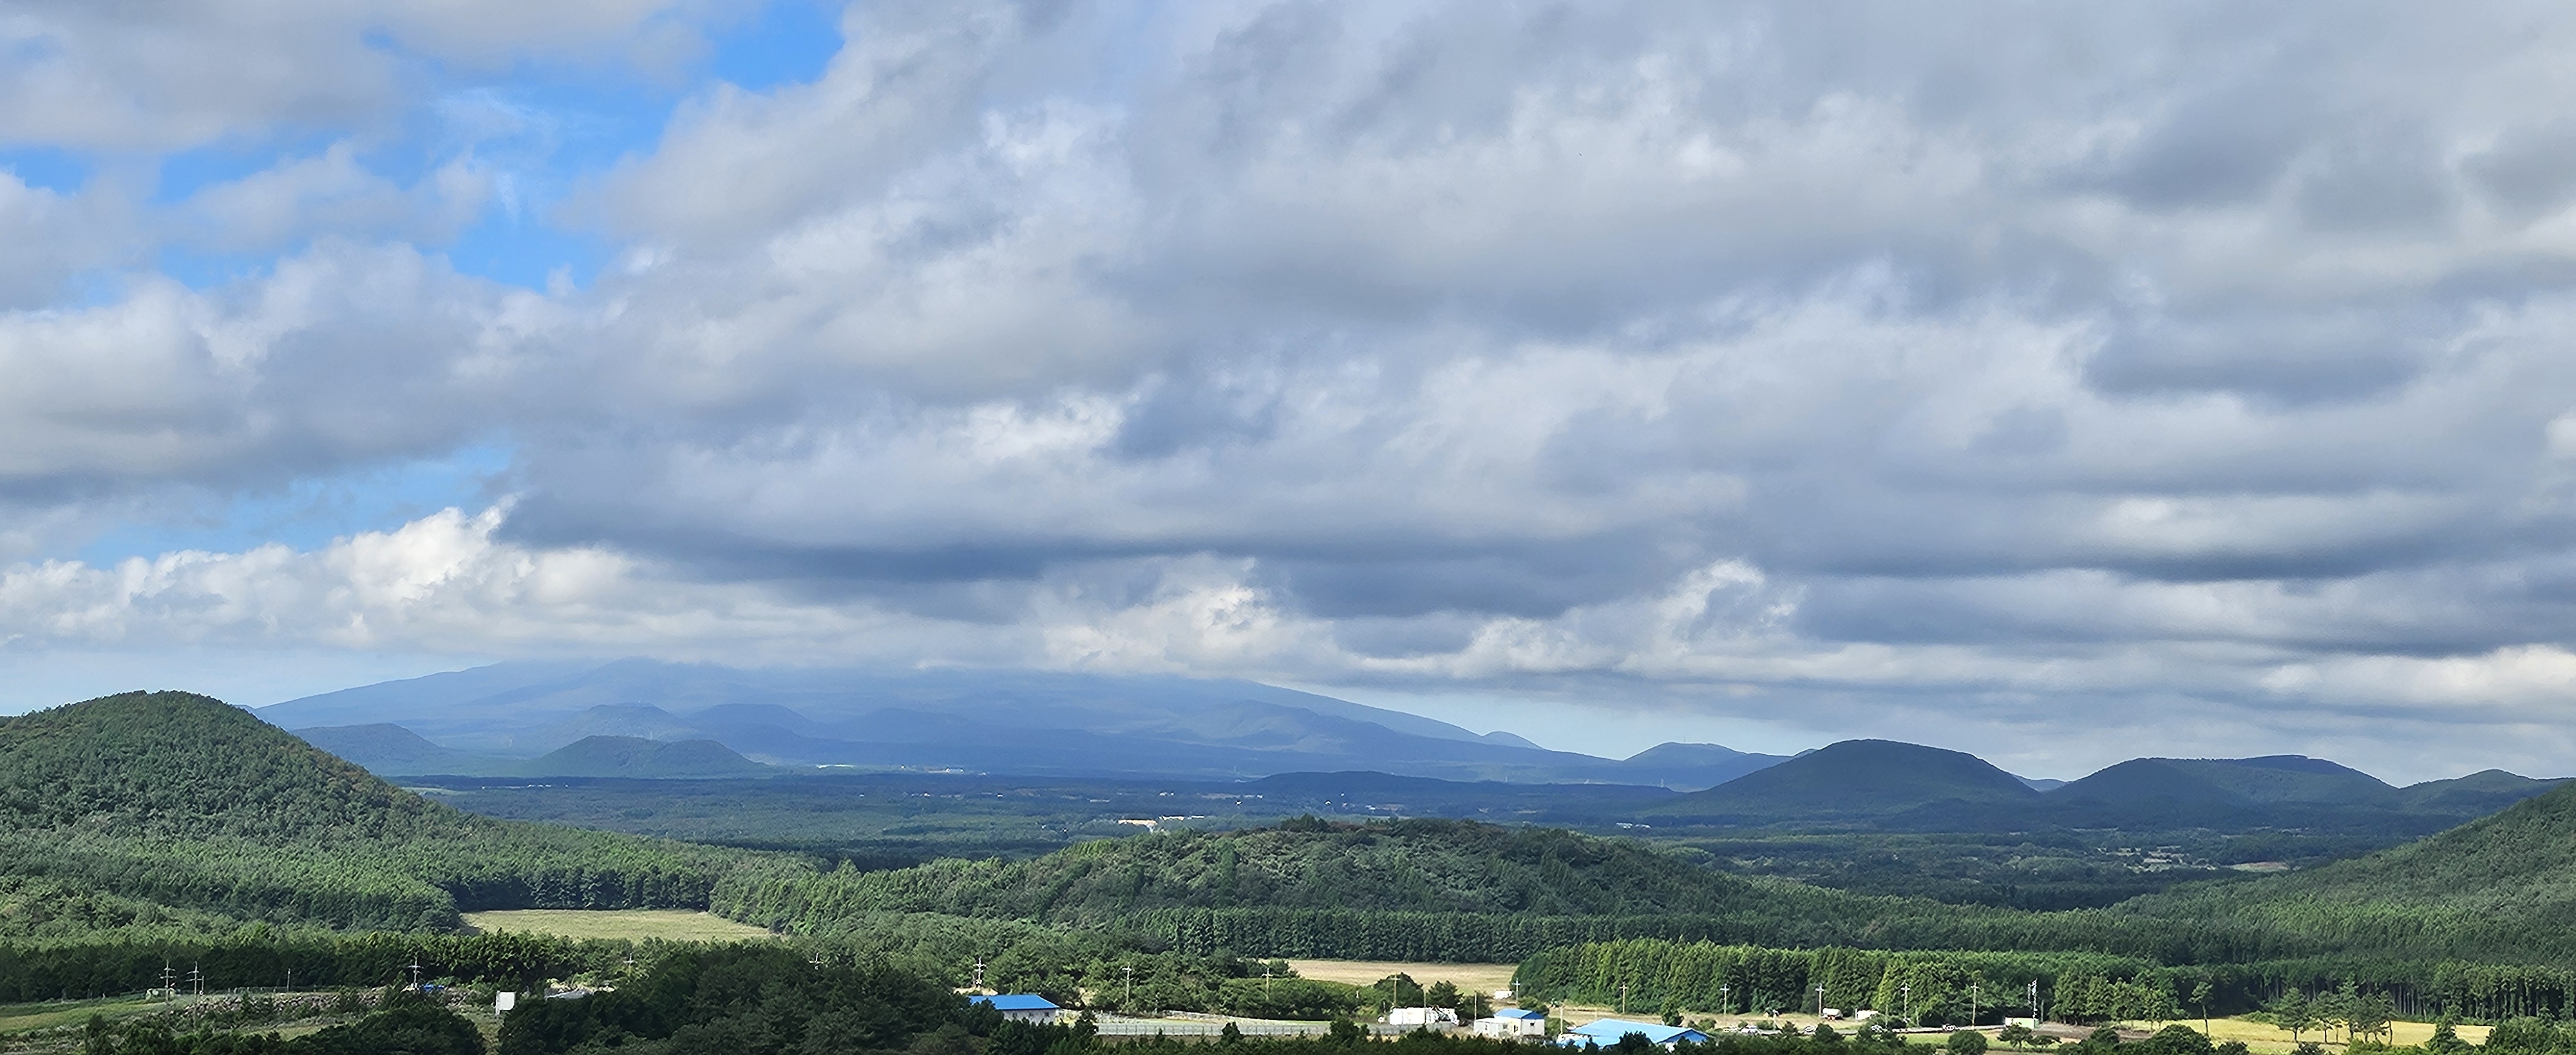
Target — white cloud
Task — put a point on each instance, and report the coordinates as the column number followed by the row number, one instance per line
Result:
column 333, row 194
column 122, row 77
column 1984, row 368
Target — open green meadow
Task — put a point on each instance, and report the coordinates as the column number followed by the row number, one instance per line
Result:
column 640, row 924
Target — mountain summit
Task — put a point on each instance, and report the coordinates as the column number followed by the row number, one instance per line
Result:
column 1854, row 780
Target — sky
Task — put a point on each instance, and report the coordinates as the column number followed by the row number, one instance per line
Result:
column 2062, row 383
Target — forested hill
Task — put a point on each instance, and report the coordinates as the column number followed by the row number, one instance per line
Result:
column 1411, row 866
column 2499, row 888
column 1415, row 889
column 175, row 764
column 1853, row 780
column 175, row 799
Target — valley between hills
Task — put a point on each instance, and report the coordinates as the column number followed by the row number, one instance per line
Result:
column 153, row 829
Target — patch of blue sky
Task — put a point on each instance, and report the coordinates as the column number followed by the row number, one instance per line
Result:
column 529, row 252
column 308, row 514
column 186, row 172
column 206, row 269
column 539, row 141
column 50, row 168
column 540, row 131
column 789, row 42
column 542, row 136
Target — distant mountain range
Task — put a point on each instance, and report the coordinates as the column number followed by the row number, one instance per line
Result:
column 507, row 718
column 638, row 718
column 1882, row 784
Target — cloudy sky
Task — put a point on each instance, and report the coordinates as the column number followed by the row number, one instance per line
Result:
column 2061, row 383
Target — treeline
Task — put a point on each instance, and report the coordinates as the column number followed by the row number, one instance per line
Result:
column 407, row 1024
column 1702, row 976
column 1402, row 866
column 1791, row 922
column 263, row 957
column 1432, row 890
column 365, row 883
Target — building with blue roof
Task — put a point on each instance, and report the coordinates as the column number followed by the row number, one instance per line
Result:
column 1606, row 1032
column 1020, row 1007
column 1513, row 1023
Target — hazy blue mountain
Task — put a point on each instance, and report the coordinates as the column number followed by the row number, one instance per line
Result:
column 2287, row 791
column 387, row 748
column 1364, row 792
column 2237, row 781
column 638, row 720
column 2475, row 795
column 992, row 721
column 635, row 756
column 1691, row 767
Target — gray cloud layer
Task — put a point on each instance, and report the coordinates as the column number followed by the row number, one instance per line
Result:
column 2192, row 376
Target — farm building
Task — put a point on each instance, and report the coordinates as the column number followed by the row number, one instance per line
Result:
column 1513, row 1023
column 1021, row 1007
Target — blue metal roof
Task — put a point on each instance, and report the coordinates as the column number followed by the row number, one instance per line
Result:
column 1606, row 1032
column 1517, row 1012
column 1017, row 1002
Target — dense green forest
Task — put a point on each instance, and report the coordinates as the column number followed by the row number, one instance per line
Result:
column 187, row 803
column 1408, row 866
column 2072, row 986
column 1443, row 890
column 2501, row 888
column 407, row 1024
column 2039, row 862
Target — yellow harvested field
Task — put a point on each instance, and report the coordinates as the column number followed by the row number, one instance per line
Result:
column 2262, row 1037
column 630, row 924
column 1468, row 977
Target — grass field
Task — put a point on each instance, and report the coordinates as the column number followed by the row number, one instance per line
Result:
column 2263, row 1037
column 1468, row 977
column 630, row 924
column 21, row 1018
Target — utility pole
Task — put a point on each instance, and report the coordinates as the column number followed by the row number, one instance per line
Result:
column 1820, row 1003
column 1131, row 985
column 1723, row 1001
column 2034, row 1001
column 196, row 980
column 979, row 972
column 415, row 974
column 1972, row 1007
column 1623, row 998
column 1907, row 991
column 169, row 979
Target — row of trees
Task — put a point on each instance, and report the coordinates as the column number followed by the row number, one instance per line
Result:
column 1930, row 987
column 2359, row 1015
column 264, row 957
column 1940, row 986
